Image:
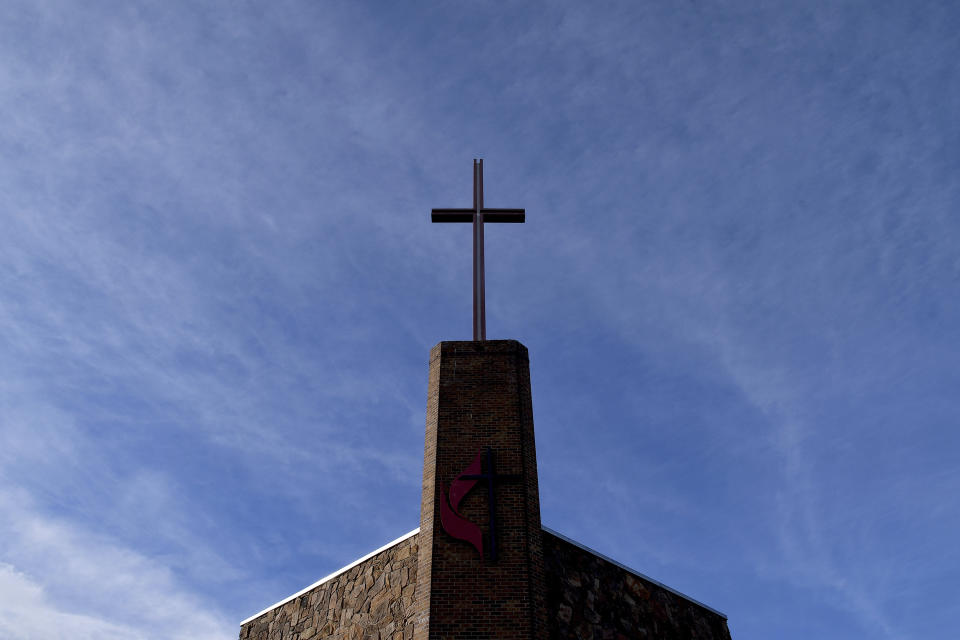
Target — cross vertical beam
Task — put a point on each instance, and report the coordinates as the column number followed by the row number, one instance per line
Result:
column 478, row 215
column 479, row 319
column 491, row 476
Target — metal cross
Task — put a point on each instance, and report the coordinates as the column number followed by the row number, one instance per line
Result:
column 478, row 215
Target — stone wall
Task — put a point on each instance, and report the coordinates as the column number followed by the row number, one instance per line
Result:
column 371, row 601
column 589, row 598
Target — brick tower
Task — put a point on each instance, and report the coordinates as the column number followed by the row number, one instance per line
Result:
column 478, row 402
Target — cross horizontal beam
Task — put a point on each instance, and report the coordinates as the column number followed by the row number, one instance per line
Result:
column 466, row 215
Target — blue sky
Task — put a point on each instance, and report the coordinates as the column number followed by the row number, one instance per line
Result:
column 737, row 281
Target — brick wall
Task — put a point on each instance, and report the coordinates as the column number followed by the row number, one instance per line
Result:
column 479, row 396
column 371, row 600
column 589, row 598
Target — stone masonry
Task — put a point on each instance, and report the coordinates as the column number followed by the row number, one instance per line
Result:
column 593, row 599
column 371, row 601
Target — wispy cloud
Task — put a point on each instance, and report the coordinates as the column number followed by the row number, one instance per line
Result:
column 218, row 285
column 80, row 584
column 26, row 612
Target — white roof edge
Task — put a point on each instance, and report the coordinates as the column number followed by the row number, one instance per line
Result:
column 333, row 575
column 633, row 571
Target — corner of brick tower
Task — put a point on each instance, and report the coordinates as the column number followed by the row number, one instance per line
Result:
column 479, row 397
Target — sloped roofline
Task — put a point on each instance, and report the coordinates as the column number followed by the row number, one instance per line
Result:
column 417, row 530
column 333, row 575
column 633, row 571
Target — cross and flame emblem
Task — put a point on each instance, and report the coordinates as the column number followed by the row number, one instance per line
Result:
column 453, row 521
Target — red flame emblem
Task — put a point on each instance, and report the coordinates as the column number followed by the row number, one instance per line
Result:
column 454, row 523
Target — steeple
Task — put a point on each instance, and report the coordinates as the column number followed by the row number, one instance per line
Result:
column 479, row 401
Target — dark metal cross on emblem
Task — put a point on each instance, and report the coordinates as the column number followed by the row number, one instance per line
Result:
column 478, row 215
column 490, row 477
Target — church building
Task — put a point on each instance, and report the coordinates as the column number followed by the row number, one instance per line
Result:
column 481, row 566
